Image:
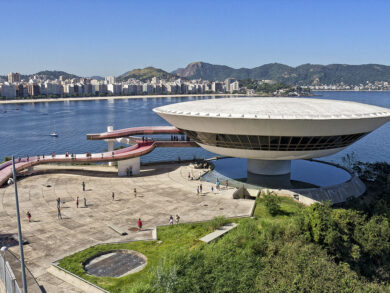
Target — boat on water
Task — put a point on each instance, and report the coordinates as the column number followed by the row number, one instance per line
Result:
column 54, row 133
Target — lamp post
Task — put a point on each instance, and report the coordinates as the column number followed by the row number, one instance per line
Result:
column 3, row 250
column 19, row 228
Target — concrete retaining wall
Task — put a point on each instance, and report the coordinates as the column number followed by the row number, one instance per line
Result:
column 75, row 280
column 336, row 194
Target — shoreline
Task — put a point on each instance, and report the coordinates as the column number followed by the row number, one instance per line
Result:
column 385, row 91
column 77, row 99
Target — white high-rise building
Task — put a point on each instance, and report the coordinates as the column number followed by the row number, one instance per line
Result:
column 13, row 77
column 114, row 89
column 109, row 79
column 234, row 86
column 228, row 81
column 8, row 90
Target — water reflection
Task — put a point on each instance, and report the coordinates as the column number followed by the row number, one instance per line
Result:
column 304, row 174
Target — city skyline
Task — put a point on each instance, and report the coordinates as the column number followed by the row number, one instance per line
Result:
column 103, row 38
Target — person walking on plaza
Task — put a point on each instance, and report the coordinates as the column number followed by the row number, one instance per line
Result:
column 200, row 188
column 58, row 202
column 83, row 186
column 59, row 216
column 77, row 202
column 170, row 220
column 227, row 184
column 177, row 218
column 28, row 216
column 135, row 192
column 85, row 202
column 139, row 224
column 113, row 196
column 197, row 190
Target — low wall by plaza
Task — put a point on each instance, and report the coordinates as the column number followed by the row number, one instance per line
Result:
column 336, row 194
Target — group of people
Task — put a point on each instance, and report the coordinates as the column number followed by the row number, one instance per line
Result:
column 199, row 189
column 218, row 184
column 182, row 138
column 139, row 222
column 177, row 219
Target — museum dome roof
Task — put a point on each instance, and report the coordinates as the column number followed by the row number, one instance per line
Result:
column 275, row 108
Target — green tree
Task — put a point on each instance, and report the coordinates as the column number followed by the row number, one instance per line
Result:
column 271, row 202
column 374, row 236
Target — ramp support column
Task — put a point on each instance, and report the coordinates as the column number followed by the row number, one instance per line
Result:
column 110, row 143
column 129, row 167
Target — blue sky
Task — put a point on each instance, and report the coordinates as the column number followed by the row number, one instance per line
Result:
column 110, row 37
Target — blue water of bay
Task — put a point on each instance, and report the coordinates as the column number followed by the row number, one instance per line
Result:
column 25, row 128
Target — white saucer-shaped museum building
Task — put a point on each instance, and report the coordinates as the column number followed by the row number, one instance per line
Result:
column 271, row 132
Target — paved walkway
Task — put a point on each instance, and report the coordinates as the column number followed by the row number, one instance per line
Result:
column 162, row 190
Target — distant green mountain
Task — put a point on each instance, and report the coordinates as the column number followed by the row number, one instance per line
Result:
column 146, row 74
column 97, row 77
column 53, row 74
column 306, row 74
column 49, row 74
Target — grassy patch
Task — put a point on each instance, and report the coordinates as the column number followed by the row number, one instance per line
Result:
column 174, row 238
column 288, row 207
column 182, row 236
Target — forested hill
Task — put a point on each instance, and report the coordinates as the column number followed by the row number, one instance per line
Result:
column 46, row 74
column 146, row 74
column 306, row 74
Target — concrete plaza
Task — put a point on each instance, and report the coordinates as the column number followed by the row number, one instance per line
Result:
column 162, row 190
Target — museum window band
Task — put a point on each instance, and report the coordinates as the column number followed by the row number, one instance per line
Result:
column 273, row 143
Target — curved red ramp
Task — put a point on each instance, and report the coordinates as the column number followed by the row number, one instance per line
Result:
column 144, row 130
column 140, row 149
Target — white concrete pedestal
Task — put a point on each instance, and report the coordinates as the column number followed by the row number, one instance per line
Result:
column 110, row 143
column 129, row 167
column 269, row 167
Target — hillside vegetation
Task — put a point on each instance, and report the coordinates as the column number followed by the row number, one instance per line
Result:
column 50, row 74
column 306, row 74
column 146, row 74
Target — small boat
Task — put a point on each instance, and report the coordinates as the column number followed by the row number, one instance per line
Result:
column 54, row 133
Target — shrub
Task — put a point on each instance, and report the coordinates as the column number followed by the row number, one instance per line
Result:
column 218, row 222
column 7, row 158
column 272, row 203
